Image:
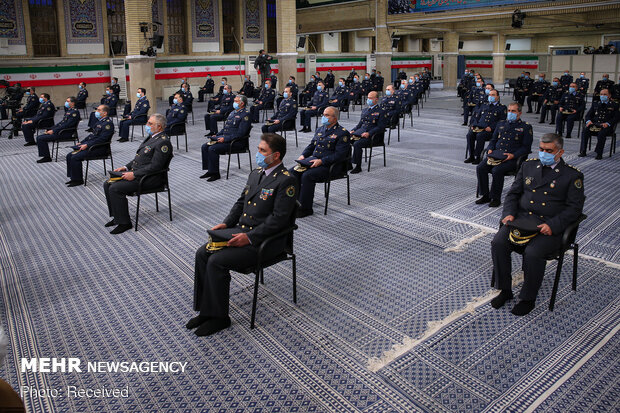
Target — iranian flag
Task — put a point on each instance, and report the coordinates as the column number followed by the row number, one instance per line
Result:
column 521, row 62
column 479, row 61
column 411, row 62
column 301, row 65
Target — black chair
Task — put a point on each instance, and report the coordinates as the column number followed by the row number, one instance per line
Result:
column 612, row 147
column 164, row 187
column 356, row 100
column 139, row 120
column 512, row 84
column 81, row 105
column 408, row 110
column 102, row 157
column 377, row 140
column 288, row 126
column 262, row 262
column 344, row 173
column 189, row 107
column 514, row 172
column 268, row 106
column 245, row 147
column 72, row 138
column 319, row 113
column 344, row 107
column 394, row 123
column 568, row 243
column 178, row 129
column 43, row 124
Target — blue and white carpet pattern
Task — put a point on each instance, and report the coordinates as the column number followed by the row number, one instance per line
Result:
column 371, row 276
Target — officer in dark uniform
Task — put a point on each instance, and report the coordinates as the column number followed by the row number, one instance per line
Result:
column 221, row 111
column 215, row 100
column 403, row 93
column 416, row 88
column 102, row 133
column 525, row 88
column 475, row 97
column 154, row 154
column 237, row 125
column 331, row 145
column 583, row 84
column 315, row 107
column 600, row 121
column 206, row 89
column 264, row 208
column 390, row 104
column 176, row 114
column 267, row 96
column 400, row 76
column 318, row 78
column 116, row 88
column 274, row 80
column 341, row 93
column 355, row 90
column 248, row 87
column 82, row 94
column 46, row 110
column 330, row 80
column 539, row 88
column 604, row 83
column 565, row 80
column 514, row 138
column 110, row 100
column 182, row 90
column 186, row 94
column 141, row 107
column 308, row 92
column 549, row 192
column 372, row 122
column 263, row 64
column 287, row 110
column 482, row 125
column 27, row 111
column 571, row 106
column 378, row 82
column 464, row 85
column 294, row 91
column 551, row 100
column 615, row 93
column 351, row 76
column 366, row 84
column 70, row 120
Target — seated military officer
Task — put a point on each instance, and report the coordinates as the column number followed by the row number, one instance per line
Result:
column 28, row 110
column 367, row 84
column 102, row 133
column 372, row 122
column 539, row 87
column 571, row 105
column 286, row 111
column 206, row 89
column 70, row 121
column 110, row 100
column 266, row 98
column 82, row 95
column 263, row 209
column 181, row 90
column 511, row 139
column 475, row 97
column 236, row 126
column 551, row 100
column 524, row 89
column 549, row 194
column 390, row 104
column 176, row 114
column 565, row 80
column 116, row 88
column 403, row 93
column 248, row 87
column 153, row 155
column 221, row 111
column 186, row 93
column 308, row 92
column 482, row 126
column 46, row 111
column 583, row 83
column 216, row 100
column 274, row 80
column 293, row 91
column 141, row 107
column 355, row 90
column 330, row 80
column 604, row 83
column 315, row 107
column 600, row 121
column 341, row 93
column 330, row 145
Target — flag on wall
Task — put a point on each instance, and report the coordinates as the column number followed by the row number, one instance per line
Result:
column 411, row 62
column 521, row 62
column 479, row 61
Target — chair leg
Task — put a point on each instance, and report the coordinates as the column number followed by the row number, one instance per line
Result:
column 238, row 162
column 294, row 260
column 177, row 141
column 104, row 169
column 137, row 211
column 156, row 202
column 390, row 134
column 186, row 133
column 575, row 259
column 348, row 191
column 228, row 166
column 384, row 164
column 258, row 274
column 327, row 187
column 297, row 143
column 370, row 157
column 169, row 203
column 57, row 146
column 398, row 126
column 86, row 174
column 250, row 158
column 111, row 160
column 558, row 272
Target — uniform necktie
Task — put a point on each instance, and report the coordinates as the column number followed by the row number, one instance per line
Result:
column 260, row 177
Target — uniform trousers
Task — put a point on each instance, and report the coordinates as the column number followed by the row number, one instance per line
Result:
column 255, row 111
column 498, row 172
column 535, row 256
column 28, row 131
column 211, row 105
column 476, row 141
column 601, row 137
column 116, row 196
column 359, row 145
column 272, row 128
column 124, row 127
column 537, row 99
column 42, row 142
column 211, row 155
column 570, row 122
column 543, row 112
column 467, row 111
column 306, row 117
column 307, row 181
column 74, row 162
column 211, row 121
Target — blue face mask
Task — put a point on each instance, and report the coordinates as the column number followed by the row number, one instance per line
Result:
column 285, row 95
column 98, row 115
column 319, row 88
column 571, row 89
column 365, row 77
column 266, row 86
column 225, row 91
column 355, row 80
column 604, row 98
column 340, row 84
column 565, row 73
column 114, row 82
column 491, row 99
column 67, row 105
column 410, row 81
column 290, row 81
column 605, row 79
column 41, row 100
column 388, row 93
column 487, row 91
column 27, row 93
column 80, row 87
column 582, row 76
column 547, row 159
column 402, row 86
column 324, row 120
column 369, row 102
column 511, row 116
column 138, row 95
column 261, row 160
column 554, row 83
column 175, row 101
column 107, row 92
column 148, row 130
column 223, row 83
column 183, row 89
column 235, row 105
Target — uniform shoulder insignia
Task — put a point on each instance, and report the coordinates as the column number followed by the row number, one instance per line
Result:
column 182, row 110
column 74, row 115
column 290, row 191
column 571, row 166
column 164, row 148
column 107, row 127
column 287, row 173
column 531, row 159
column 246, row 118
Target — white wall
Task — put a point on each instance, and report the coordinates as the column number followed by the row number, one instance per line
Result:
column 413, row 45
column 75, row 48
column 205, row 47
column 13, row 50
column 331, row 42
column 480, row 45
column 520, row 44
column 361, row 44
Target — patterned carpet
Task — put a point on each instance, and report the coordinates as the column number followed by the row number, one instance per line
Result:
column 390, row 315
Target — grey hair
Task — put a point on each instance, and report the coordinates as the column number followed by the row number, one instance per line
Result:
column 335, row 109
column 244, row 99
column 159, row 119
column 553, row 137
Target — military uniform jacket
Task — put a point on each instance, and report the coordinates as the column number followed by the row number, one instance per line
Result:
column 263, row 64
column 103, row 132
column 46, row 110
column 320, row 99
column 116, row 89
column 404, row 96
column 219, row 94
column 70, row 120
column 565, row 81
column 209, row 85
column 366, row 86
column 237, row 125
column 141, row 107
column 152, row 155
column 390, row 105
column 176, row 114
column 488, row 115
column 372, row 121
column 294, row 89
column 264, row 208
column 553, row 93
column 330, row 79
column 512, row 137
column 582, row 85
column 267, row 95
column 248, row 88
column 526, row 85
column 274, row 81
column 355, row 89
column 188, row 98
column 287, row 110
column 310, row 88
column 601, row 113
column 615, row 92
column 540, row 87
column 330, row 145
column 31, row 106
column 570, row 101
column 226, row 105
column 340, row 93
column 351, row 75
column 603, row 84
column 82, row 95
column 476, row 95
column 110, row 100
column 555, row 195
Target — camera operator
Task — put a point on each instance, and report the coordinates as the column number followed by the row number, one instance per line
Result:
column 12, row 99
column 29, row 110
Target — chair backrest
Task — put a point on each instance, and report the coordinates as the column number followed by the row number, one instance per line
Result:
column 177, row 129
column 289, row 124
column 45, row 123
column 80, row 104
column 141, row 119
column 570, row 234
column 290, row 238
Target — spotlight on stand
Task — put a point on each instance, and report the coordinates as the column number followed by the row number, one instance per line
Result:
column 517, row 19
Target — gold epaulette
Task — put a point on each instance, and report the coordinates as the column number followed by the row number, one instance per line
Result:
column 531, row 159
column 576, row 169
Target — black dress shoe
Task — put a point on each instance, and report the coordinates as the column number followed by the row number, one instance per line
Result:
column 121, row 228
column 598, row 157
column 302, row 213
column 109, row 224
column 212, row 326
column 356, row 170
column 196, row 321
column 123, row 140
column 529, row 111
column 469, row 160
column 89, row 130
column 476, row 161
column 464, row 124
column 552, row 122
column 29, row 144
column 302, row 130
column 523, row 307
column 541, row 121
column 485, row 199
column 213, row 177
column 568, row 137
column 75, row 183
column 582, row 155
column 501, row 299
column 44, row 160
column 494, row 203
column 206, row 175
